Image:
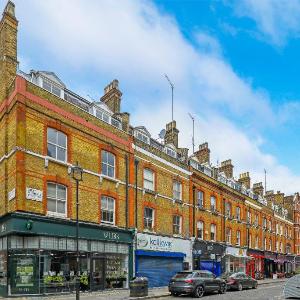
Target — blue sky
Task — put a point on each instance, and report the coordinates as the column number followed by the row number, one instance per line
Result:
column 234, row 65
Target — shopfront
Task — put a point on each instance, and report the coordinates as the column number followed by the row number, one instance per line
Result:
column 235, row 260
column 269, row 264
column 158, row 257
column 208, row 256
column 289, row 265
column 38, row 256
column 280, row 262
column 255, row 266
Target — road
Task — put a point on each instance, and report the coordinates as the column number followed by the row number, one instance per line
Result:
column 263, row 292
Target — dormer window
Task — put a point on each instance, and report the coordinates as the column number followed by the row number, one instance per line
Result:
column 170, row 152
column 142, row 137
column 51, row 87
column 100, row 114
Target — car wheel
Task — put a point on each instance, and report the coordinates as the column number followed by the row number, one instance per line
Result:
column 199, row 291
column 222, row 289
column 174, row 294
column 255, row 285
column 240, row 287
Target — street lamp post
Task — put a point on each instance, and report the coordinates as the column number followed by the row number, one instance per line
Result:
column 77, row 172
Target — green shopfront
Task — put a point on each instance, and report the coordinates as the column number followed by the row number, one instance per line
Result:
column 38, row 256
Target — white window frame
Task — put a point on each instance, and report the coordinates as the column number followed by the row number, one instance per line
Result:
column 270, row 244
column 256, row 242
column 238, row 213
column 228, row 208
column 228, row 235
column 55, row 213
column 148, row 181
column 56, row 145
column 250, row 240
column 178, row 217
column 200, row 198
column 152, row 220
column 213, row 204
column 170, row 152
column 113, row 211
column 176, row 191
column 52, row 86
column 200, row 226
column 213, row 226
column 142, row 137
column 238, row 238
column 107, row 164
column 265, row 243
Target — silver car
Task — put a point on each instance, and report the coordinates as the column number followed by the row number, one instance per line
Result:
column 196, row 283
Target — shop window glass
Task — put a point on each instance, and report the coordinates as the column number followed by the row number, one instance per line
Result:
column 108, row 161
column 31, row 242
column 148, row 218
column 123, row 249
column 148, row 179
column 16, row 242
column 83, row 245
column 116, row 271
column 62, row 244
column 111, row 248
column 176, row 224
column 200, row 226
column 107, row 210
column 56, row 144
column 71, row 244
column 49, row 242
column 3, row 269
column 200, row 199
column 97, row 246
column 56, row 199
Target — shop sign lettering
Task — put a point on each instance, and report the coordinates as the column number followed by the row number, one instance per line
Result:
column 154, row 243
column 34, row 194
column 111, row 235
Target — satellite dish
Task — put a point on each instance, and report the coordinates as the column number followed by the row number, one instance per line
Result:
column 162, row 133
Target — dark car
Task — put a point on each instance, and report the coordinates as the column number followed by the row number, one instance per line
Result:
column 196, row 283
column 239, row 281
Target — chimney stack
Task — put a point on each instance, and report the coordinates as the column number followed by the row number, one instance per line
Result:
column 112, row 96
column 227, row 168
column 8, row 49
column 245, row 179
column 258, row 188
column 171, row 136
column 203, row 154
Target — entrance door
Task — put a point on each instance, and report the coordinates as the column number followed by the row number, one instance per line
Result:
column 97, row 274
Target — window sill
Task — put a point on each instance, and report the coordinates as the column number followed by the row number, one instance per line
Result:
column 113, row 179
column 57, row 215
column 108, row 224
column 151, row 192
column 177, row 235
column 149, row 231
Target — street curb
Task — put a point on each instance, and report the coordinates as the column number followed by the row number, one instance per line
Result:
column 168, row 294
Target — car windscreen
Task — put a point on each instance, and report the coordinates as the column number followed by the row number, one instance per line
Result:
column 183, row 275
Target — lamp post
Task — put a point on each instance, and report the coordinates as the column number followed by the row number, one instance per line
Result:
column 77, row 172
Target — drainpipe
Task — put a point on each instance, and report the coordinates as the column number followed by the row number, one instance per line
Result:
column 126, row 189
column 194, row 211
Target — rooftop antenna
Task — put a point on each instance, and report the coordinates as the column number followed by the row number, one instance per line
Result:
column 265, row 171
column 172, row 89
column 193, row 138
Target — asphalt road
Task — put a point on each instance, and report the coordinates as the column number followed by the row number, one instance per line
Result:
column 263, row 292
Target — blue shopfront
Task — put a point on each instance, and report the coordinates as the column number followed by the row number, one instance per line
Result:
column 159, row 258
column 208, row 256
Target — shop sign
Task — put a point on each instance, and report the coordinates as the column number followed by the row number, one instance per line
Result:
column 236, row 251
column 213, row 256
column 12, row 194
column 197, row 252
column 161, row 243
column 111, row 235
column 34, row 194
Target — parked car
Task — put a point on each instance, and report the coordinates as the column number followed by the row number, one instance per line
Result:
column 196, row 283
column 239, row 281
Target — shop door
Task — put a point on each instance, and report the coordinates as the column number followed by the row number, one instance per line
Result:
column 97, row 274
column 158, row 270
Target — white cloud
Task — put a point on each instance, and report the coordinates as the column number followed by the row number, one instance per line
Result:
column 276, row 20
column 138, row 44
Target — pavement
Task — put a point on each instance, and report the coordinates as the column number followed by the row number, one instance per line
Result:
column 123, row 294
